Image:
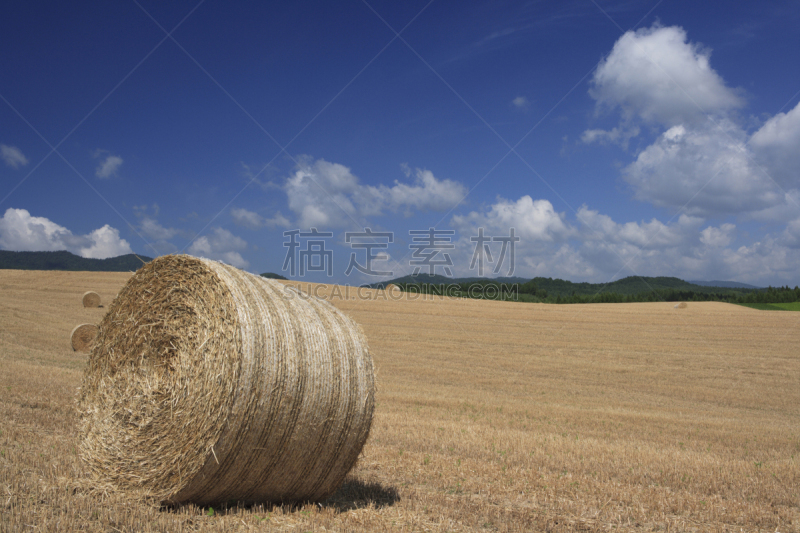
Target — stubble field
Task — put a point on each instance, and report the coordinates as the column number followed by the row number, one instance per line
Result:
column 491, row 416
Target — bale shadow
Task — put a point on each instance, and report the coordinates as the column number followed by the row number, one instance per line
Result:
column 353, row 494
column 356, row 494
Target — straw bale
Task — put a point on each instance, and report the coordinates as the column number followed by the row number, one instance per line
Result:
column 208, row 384
column 91, row 299
column 82, row 337
column 681, row 305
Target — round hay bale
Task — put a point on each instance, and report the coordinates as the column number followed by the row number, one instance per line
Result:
column 82, row 337
column 208, row 384
column 91, row 299
column 681, row 305
column 391, row 287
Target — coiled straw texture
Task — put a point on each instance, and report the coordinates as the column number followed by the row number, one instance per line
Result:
column 208, row 384
column 91, row 299
column 82, row 337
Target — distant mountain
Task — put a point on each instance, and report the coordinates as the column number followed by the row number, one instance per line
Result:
column 272, row 275
column 630, row 285
column 727, row 284
column 68, row 261
column 438, row 279
column 558, row 287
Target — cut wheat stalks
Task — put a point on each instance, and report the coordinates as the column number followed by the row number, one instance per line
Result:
column 82, row 337
column 91, row 299
column 208, row 384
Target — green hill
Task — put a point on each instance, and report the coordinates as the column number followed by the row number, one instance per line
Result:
column 630, row 285
column 630, row 289
column 438, row 279
column 559, row 287
column 64, row 260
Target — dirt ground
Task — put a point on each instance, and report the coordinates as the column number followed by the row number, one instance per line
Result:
column 491, row 416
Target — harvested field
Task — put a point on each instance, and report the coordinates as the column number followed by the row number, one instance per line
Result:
column 490, row 416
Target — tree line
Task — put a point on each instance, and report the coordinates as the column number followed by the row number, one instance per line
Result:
column 531, row 292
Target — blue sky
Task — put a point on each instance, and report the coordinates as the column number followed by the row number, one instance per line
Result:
column 616, row 138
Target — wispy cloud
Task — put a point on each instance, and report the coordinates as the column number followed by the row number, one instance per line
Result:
column 13, row 156
column 252, row 220
column 109, row 164
column 521, row 103
column 221, row 245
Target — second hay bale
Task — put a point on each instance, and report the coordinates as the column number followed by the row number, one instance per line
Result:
column 91, row 299
column 82, row 337
column 208, row 384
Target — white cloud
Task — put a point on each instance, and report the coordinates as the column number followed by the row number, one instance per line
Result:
column 761, row 263
column 19, row 231
column 658, row 76
column 777, row 147
column 108, row 166
column 521, row 103
column 221, row 245
column 252, row 220
column 327, row 195
column 105, row 242
column 702, row 161
column 707, row 168
column 680, row 249
column 618, row 135
column 533, row 220
column 152, row 229
column 718, row 237
column 13, row 156
column 321, row 194
column 644, row 235
column 157, row 234
column 426, row 194
column 791, row 235
column 594, row 247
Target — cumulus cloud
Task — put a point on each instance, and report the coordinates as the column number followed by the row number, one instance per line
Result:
column 642, row 235
column 533, row 220
column 12, row 156
column 251, row 220
column 718, row 237
column 684, row 248
column 19, row 231
column 777, row 146
column 221, row 245
column 539, row 228
column 657, row 75
column 521, row 103
column 791, row 235
column 594, row 247
column 708, row 169
column 764, row 262
column 426, row 193
column 703, row 161
column 105, row 242
column 325, row 195
column 108, row 166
